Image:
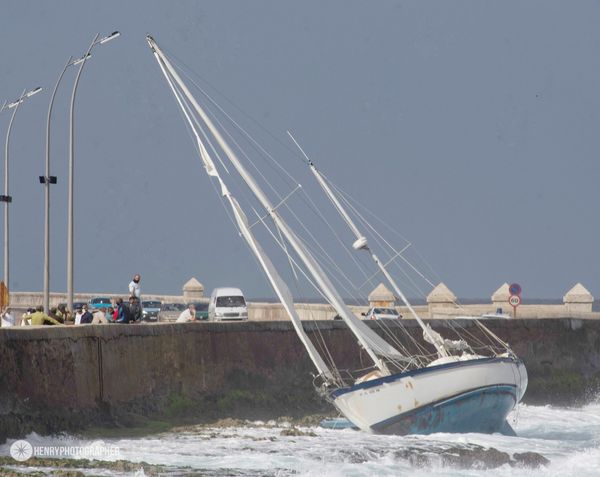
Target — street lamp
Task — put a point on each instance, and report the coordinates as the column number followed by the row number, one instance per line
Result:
column 95, row 42
column 46, row 180
column 6, row 198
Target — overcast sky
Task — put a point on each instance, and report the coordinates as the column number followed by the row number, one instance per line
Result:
column 470, row 126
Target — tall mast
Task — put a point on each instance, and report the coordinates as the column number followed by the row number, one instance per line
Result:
column 276, row 281
column 369, row 340
column 362, row 244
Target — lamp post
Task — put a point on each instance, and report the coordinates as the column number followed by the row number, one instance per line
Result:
column 95, row 42
column 46, row 180
column 6, row 198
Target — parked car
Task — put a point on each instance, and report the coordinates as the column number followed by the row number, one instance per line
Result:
column 99, row 303
column 201, row 311
column 485, row 316
column 227, row 304
column 151, row 310
column 173, row 307
column 377, row 313
column 77, row 305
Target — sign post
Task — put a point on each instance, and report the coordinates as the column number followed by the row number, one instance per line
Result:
column 515, row 297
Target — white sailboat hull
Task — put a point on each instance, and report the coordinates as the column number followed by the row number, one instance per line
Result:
column 464, row 396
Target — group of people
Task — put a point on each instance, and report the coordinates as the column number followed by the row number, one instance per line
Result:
column 121, row 312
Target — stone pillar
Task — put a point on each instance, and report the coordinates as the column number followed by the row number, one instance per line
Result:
column 578, row 300
column 193, row 290
column 382, row 297
column 500, row 298
column 440, row 297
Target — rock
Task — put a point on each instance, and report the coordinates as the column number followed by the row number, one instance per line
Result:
column 471, row 457
column 531, row 460
column 475, row 458
column 293, row 431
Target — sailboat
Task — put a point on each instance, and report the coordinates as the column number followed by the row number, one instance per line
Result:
column 454, row 390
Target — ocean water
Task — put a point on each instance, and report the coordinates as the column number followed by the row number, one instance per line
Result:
column 568, row 437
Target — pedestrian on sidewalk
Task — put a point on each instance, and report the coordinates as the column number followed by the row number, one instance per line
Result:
column 135, row 288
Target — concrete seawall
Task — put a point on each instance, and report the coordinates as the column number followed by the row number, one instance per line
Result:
column 68, row 378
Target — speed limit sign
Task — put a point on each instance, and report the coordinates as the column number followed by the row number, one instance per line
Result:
column 515, row 301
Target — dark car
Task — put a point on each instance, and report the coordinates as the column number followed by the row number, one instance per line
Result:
column 201, row 311
column 173, row 307
column 77, row 305
column 151, row 310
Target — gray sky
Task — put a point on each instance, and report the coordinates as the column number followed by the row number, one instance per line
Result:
column 470, row 126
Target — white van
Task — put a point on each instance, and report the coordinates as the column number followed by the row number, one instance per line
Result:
column 227, row 304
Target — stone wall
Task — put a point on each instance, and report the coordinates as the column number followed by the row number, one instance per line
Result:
column 66, row 378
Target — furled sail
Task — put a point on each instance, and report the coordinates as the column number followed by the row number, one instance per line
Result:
column 373, row 344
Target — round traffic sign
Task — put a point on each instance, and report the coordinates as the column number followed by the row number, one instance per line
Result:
column 515, row 289
column 514, row 300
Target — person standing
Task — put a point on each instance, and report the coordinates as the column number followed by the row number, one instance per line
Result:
column 78, row 315
column 86, row 317
column 135, row 309
column 135, row 288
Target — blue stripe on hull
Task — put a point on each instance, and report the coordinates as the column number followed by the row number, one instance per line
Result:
column 430, row 369
column 481, row 410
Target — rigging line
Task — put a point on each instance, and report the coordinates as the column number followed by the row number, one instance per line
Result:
column 260, row 219
column 463, row 330
column 252, row 140
column 421, row 349
column 332, row 267
column 282, row 246
column 320, row 338
column 313, row 207
column 193, row 116
column 384, row 326
column 281, row 240
column 243, row 152
column 323, row 252
column 256, row 260
column 366, row 222
column 385, row 265
column 348, row 198
column 317, row 211
column 455, row 327
column 376, row 348
column 276, row 192
column 488, row 331
column 377, row 237
column 183, row 67
column 197, row 149
column 240, row 128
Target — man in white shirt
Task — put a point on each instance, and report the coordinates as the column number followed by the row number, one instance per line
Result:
column 134, row 287
column 187, row 315
column 78, row 315
column 7, row 318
